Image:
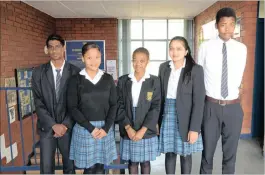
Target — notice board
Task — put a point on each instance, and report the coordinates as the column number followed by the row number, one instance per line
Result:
column 74, row 52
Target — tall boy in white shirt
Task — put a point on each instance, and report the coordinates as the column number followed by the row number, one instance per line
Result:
column 223, row 60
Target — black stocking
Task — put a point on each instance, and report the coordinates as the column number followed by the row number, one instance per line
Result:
column 170, row 163
column 133, row 167
column 145, row 167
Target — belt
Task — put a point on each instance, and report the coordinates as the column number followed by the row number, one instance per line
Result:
column 223, row 102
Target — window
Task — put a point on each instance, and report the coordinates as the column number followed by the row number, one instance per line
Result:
column 152, row 34
column 136, row 29
column 135, row 45
column 155, row 35
column 153, row 67
column 155, row 29
column 157, row 49
column 175, row 28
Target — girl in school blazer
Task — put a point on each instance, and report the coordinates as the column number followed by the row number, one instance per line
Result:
column 139, row 99
column 183, row 95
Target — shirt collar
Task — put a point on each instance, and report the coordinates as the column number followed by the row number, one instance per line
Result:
column 146, row 75
column 222, row 41
column 172, row 66
column 54, row 68
column 84, row 73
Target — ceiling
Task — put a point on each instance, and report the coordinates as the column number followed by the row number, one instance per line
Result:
column 122, row 9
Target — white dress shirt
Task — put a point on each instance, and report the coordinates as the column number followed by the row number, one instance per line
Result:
column 210, row 58
column 173, row 80
column 136, row 87
column 55, row 73
column 96, row 79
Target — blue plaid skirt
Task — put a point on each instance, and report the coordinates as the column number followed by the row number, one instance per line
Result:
column 87, row 151
column 170, row 139
column 139, row 151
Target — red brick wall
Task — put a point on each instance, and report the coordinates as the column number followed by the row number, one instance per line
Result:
column 91, row 29
column 23, row 34
column 247, row 10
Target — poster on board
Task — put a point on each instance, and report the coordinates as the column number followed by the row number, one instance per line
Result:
column 11, row 94
column 112, row 68
column 74, row 52
column 26, row 105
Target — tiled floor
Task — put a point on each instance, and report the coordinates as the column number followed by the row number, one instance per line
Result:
column 249, row 160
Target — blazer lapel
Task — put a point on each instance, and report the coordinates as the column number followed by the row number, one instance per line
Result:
column 180, row 82
column 143, row 93
column 166, row 78
column 129, row 90
column 65, row 75
column 129, row 95
column 49, row 75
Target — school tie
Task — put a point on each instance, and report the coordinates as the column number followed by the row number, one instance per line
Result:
column 224, row 86
column 58, row 81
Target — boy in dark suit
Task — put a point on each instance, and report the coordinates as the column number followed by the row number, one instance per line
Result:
column 49, row 83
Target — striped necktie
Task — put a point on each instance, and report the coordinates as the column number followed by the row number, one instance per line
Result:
column 224, row 83
column 58, row 81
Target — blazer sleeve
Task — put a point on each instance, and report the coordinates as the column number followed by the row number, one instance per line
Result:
column 122, row 118
column 110, row 118
column 151, row 118
column 161, row 95
column 44, row 116
column 68, row 121
column 198, row 99
column 72, row 105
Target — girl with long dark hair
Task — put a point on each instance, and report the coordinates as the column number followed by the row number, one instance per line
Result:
column 183, row 95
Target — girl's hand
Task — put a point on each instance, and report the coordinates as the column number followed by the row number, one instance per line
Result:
column 192, row 137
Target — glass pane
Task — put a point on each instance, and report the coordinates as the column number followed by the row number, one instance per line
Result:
column 153, row 67
column 157, row 49
column 135, row 45
column 175, row 28
column 155, row 29
column 136, row 29
column 168, row 56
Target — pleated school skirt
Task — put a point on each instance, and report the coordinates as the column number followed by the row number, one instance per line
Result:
column 87, row 151
column 139, row 151
column 170, row 139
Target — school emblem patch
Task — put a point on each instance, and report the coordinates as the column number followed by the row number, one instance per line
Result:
column 149, row 96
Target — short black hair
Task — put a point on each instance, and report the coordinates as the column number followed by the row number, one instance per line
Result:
column 55, row 37
column 225, row 12
column 141, row 50
column 89, row 45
